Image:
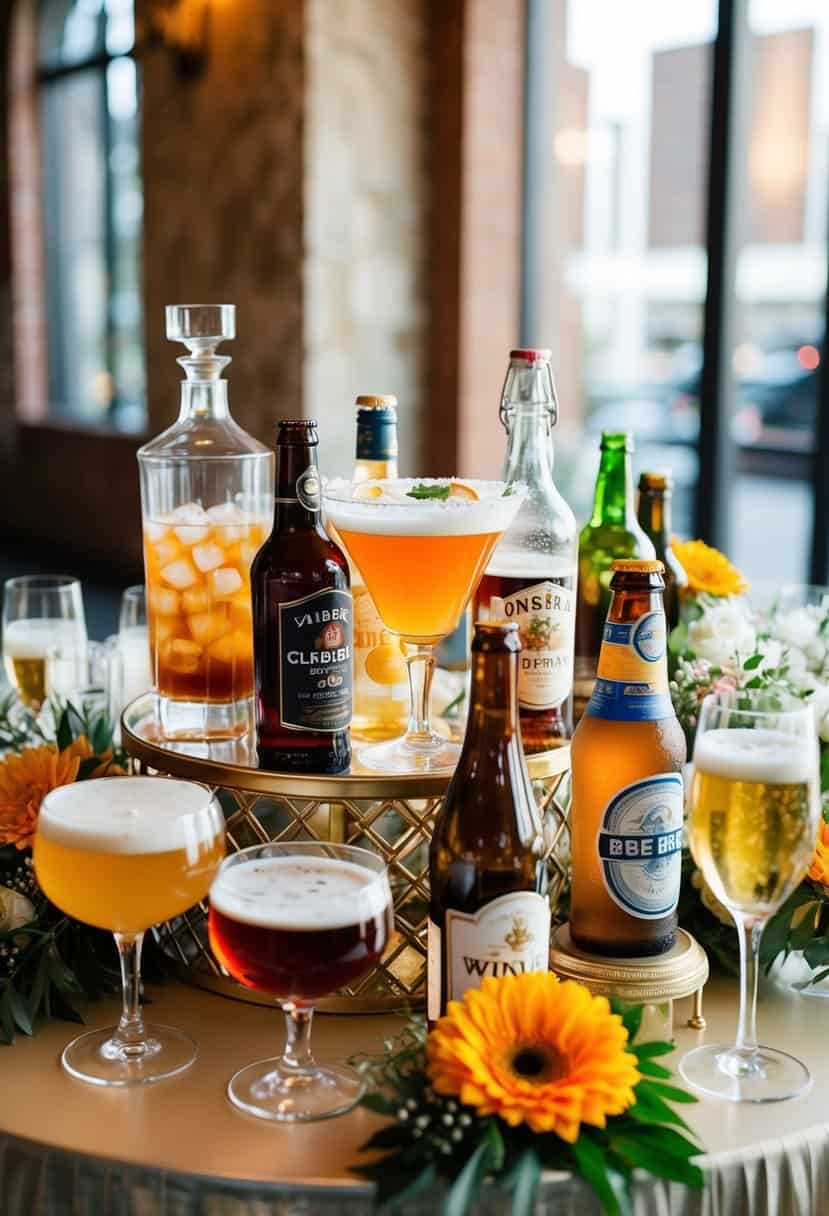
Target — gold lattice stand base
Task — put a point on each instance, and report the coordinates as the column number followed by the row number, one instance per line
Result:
column 391, row 815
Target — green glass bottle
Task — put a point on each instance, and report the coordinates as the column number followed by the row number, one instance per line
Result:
column 612, row 532
column 655, row 492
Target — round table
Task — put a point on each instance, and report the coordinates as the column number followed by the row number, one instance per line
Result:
column 180, row 1149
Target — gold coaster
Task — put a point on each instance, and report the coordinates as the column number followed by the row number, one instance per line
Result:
column 682, row 971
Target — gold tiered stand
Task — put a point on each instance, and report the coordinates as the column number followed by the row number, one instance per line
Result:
column 392, row 815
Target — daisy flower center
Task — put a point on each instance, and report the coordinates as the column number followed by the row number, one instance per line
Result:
column 537, row 1062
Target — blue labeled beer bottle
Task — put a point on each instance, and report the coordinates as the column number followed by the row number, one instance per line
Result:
column 627, row 757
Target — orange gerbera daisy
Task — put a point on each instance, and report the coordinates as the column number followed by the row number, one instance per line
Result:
column 534, row 1050
column 819, row 869
column 26, row 778
column 709, row 571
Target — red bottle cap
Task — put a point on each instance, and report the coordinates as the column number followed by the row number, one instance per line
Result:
column 532, row 354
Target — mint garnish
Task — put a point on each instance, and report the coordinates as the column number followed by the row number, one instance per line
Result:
column 507, row 492
column 423, row 491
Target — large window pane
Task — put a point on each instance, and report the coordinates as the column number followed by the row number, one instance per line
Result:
column 781, row 282
column 625, row 241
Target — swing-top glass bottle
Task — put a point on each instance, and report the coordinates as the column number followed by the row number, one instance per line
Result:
column 206, row 503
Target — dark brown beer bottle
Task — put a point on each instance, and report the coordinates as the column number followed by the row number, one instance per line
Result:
column 302, row 622
column 628, row 752
column 654, row 514
column 489, row 913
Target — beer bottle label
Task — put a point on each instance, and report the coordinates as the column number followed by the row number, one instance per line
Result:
column 632, row 679
column 508, row 936
column 315, row 665
column 545, row 614
column 640, row 846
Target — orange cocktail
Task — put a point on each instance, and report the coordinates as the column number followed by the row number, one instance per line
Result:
column 421, row 548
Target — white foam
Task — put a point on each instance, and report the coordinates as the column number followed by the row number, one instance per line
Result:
column 746, row 754
column 527, row 564
column 395, row 514
column 300, row 893
column 130, row 815
column 33, row 639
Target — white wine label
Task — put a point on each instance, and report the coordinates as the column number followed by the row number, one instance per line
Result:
column 546, row 617
column 640, row 846
column 508, row 936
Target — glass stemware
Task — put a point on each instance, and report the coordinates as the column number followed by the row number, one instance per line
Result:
column 44, row 636
column 755, row 808
column 299, row 920
column 421, row 548
column 125, row 853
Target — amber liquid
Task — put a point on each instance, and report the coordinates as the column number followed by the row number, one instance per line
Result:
column 199, row 610
column 420, row 584
column 303, row 964
column 541, row 729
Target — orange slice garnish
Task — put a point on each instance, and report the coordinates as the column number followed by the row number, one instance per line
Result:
column 368, row 491
column 461, row 489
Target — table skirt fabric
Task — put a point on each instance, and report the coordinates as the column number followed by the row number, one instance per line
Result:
column 786, row 1177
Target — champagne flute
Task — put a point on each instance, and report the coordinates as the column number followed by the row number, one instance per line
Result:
column 298, row 920
column 755, row 808
column 134, row 645
column 44, row 636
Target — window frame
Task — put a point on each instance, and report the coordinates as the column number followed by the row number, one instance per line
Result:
column 46, row 76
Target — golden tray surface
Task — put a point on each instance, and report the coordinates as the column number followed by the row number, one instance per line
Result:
column 390, row 814
column 679, row 972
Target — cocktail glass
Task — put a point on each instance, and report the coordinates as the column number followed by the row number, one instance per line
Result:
column 421, row 547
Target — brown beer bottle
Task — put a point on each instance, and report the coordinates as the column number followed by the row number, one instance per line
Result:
column 654, row 514
column 627, row 757
column 489, row 913
column 302, row 622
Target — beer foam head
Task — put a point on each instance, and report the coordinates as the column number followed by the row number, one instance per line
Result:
column 746, row 754
column 35, row 638
column 130, row 815
column 394, row 513
column 297, row 892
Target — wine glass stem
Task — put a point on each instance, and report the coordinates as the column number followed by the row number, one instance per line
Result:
column 297, row 1054
column 421, row 667
column 131, row 1031
column 749, row 934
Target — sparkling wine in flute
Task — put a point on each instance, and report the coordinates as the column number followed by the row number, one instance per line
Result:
column 752, row 831
column 298, row 928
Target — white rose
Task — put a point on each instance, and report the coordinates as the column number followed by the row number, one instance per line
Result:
column 723, row 632
column 15, row 910
column 798, row 628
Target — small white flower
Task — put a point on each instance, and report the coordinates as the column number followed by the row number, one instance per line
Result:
column 798, row 628
column 15, row 910
column 723, row 632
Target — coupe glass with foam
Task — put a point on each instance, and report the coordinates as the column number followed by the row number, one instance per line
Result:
column 754, row 813
column 123, row 854
column 207, row 502
column 299, row 920
column 421, row 547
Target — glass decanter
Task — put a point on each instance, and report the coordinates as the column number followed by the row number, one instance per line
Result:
column 206, row 505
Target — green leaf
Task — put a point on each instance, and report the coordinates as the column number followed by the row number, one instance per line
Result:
column 64, row 734
column 672, row 1093
column 803, row 934
column 421, row 491
column 465, row 1188
column 754, row 661
column 593, row 1168
column 642, row 1151
column 525, row 1183
column 101, row 736
column 394, row 1136
column 19, row 1011
column 817, row 953
column 670, row 1142
column 650, row 1108
column 755, row 682
column 507, row 492
column 645, row 1051
column 424, row 1180
column 497, row 1148
column 649, row 1069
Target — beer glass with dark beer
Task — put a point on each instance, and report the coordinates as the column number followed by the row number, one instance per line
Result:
column 298, row 920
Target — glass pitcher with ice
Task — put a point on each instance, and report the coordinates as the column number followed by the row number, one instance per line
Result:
column 206, row 504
